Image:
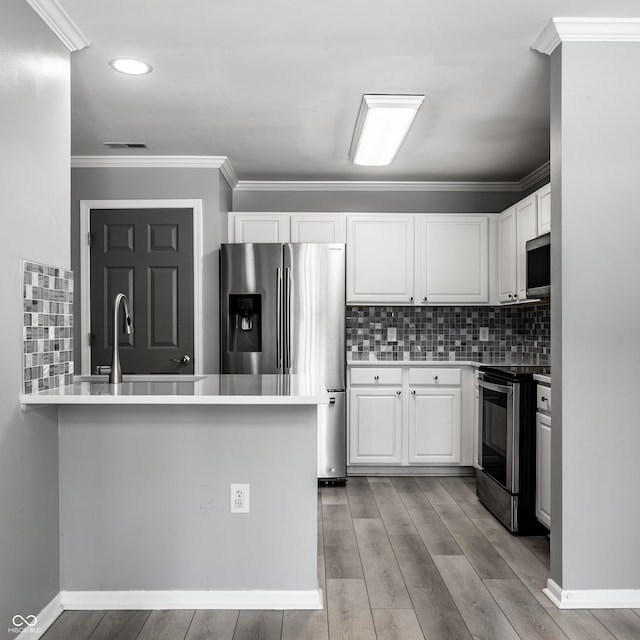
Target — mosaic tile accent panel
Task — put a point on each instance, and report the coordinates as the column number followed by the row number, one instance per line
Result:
column 47, row 353
column 516, row 334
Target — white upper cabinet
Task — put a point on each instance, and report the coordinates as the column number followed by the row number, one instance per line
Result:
column 543, row 198
column 526, row 229
column 453, row 262
column 380, row 259
column 316, row 227
column 259, row 227
column 523, row 221
column 507, row 255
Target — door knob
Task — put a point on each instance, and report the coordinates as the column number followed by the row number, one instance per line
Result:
column 183, row 362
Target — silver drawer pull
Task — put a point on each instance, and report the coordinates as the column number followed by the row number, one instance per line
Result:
column 376, row 377
column 413, row 391
column 435, row 378
column 398, row 393
column 543, row 399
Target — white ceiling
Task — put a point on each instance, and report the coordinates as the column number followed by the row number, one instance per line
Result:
column 275, row 85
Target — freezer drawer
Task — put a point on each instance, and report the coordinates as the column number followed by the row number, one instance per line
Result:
column 332, row 438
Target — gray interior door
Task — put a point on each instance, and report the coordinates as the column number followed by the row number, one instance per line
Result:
column 148, row 255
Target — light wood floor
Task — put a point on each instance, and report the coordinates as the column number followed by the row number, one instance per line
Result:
column 399, row 559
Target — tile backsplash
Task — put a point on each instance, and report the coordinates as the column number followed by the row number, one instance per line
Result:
column 47, row 353
column 515, row 333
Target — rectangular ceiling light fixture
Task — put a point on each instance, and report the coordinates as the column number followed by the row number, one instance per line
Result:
column 383, row 123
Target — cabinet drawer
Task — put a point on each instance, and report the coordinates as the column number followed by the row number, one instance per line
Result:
column 376, row 375
column 544, row 398
column 435, row 376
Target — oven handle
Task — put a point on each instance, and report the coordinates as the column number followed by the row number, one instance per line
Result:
column 495, row 387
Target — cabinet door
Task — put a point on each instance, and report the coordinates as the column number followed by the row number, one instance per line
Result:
column 434, row 426
column 311, row 227
column 543, row 469
column 375, row 425
column 526, row 229
column 453, row 259
column 380, row 262
column 507, row 255
column 543, row 197
column 261, row 227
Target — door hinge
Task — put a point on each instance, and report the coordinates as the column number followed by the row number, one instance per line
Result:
column 91, row 239
column 92, row 339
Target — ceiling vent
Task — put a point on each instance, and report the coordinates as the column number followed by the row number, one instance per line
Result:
column 125, row 145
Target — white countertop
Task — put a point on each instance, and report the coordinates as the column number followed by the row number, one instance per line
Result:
column 187, row 390
column 420, row 363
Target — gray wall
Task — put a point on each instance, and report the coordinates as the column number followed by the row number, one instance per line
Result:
column 596, row 366
column 144, row 498
column 34, row 165
column 376, row 201
column 159, row 183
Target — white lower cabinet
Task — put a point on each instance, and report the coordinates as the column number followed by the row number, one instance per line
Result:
column 375, row 425
column 434, row 425
column 405, row 416
column 543, row 469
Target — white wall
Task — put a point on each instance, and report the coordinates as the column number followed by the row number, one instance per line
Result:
column 376, row 201
column 596, row 320
column 34, row 170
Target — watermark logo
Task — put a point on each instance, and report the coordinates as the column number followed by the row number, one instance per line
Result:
column 28, row 624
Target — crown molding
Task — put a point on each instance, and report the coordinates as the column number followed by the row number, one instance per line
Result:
column 344, row 185
column 560, row 30
column 222, row 163
column 158, row 162
column 537, row 175
column 58, row 20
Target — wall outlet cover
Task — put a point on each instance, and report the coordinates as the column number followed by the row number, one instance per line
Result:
column 239, row 495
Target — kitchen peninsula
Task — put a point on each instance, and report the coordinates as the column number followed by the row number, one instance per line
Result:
column 145, row 474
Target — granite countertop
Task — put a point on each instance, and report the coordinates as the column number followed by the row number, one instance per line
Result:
column 187, row 390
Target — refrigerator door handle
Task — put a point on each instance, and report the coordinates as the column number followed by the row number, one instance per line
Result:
column 287, row 320
column 278, row 318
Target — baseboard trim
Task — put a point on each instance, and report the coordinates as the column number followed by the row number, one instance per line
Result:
column 99, row 600
column 380, row 470
column 592, row 598
column 45, row 619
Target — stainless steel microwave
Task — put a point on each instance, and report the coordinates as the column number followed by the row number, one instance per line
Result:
column 539, row 267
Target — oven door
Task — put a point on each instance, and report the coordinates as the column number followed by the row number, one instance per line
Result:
column 498, row 440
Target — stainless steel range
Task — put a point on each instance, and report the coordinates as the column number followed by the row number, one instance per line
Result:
column 506, row 479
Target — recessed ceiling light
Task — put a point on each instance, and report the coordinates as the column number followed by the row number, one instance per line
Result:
column 131, row 66
column 383, row 123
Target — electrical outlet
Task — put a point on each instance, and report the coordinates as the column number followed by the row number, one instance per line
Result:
column 484, row 334
column 239, row 498
column 392, row 334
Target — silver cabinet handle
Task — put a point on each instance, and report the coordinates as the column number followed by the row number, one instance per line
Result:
column 411, row 299
column 376, row 378
column 424, row 299
column 398, row 393
column 543, row 399
column 435, row 378
column 185, row 360
column 413, row 392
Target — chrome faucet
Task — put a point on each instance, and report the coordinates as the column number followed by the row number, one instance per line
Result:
column 115, row 375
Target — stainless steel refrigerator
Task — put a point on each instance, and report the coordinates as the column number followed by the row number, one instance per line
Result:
column 282, row 310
